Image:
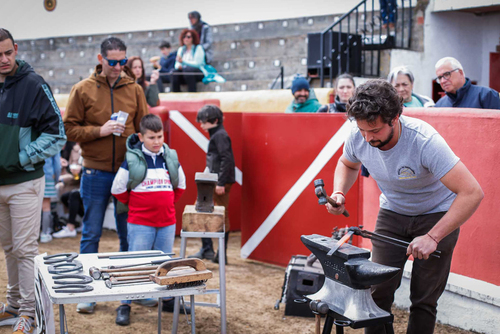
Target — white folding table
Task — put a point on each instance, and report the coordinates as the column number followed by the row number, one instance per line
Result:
column 46, row 296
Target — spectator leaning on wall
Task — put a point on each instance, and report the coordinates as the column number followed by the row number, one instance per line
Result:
column 304, row 99
column 31, row 130
column 460, row 92
column 402, row 79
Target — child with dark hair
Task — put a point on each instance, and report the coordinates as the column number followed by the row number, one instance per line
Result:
column 149, row 181
column 220, row 160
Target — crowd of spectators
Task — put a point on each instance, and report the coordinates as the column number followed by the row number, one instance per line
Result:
column 90, row 169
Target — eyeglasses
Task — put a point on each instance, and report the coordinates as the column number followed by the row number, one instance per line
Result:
column 113, row 62
column 188, row 36
column 446, row 75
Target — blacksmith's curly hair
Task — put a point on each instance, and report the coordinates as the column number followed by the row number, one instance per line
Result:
column 373, row 99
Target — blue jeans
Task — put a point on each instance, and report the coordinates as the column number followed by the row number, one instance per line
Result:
column 95, row 190
column 388, row 10
column 141, row 237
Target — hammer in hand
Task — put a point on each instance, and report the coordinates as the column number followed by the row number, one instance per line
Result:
column 323, row 198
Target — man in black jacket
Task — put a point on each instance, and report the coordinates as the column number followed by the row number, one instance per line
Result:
column 220, row 160
column 31, row 130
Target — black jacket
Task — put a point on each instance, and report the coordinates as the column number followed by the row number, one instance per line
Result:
column 220, row 157
column 471, row 96
column 31, row 127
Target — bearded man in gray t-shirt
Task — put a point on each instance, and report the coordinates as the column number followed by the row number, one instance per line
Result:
column 427, row 194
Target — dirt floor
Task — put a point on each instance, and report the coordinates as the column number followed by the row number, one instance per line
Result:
column 252, row 290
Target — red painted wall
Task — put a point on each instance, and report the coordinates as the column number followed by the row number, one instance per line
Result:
column 473, row 135
column 277, row 150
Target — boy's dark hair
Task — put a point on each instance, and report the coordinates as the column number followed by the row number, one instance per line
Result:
column 112, row 43
column 150, row 122
column 5, row 34
column 209, row 113
column 165, row 44
column 373, row 99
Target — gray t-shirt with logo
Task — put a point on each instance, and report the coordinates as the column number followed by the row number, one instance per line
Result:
column 408, row 174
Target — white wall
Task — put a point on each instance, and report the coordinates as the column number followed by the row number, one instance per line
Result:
column 461, row 4
column 465, row 36
column 29, row 19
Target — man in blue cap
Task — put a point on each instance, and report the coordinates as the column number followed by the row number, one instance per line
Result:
column 304, row 99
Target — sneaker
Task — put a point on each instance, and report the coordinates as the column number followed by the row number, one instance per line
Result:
column 168, row 306
column 64, row 233
column 24, row 325
column 86, row 308
column 123, row 315
column 8, row 314
column 149, row 302
column 45, row 237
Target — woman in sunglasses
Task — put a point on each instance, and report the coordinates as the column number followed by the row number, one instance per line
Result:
column 150, row 87
column 190, row 58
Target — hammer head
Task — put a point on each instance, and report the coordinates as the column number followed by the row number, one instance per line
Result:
column 95, row 272
column 320, row 191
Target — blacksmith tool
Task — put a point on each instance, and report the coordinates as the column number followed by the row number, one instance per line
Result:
column 74, row 288
column 96, row 273
column 346, row 291
column 110, row 283
column 195, row 274
column 107, row 276
column 380, row 237
column 339, row 243
column 72, row 279
column 62, row 257
column 142, row 264
column 126, row 274
column 205, row 182
column 62, row 268
column 323, row 198
column 137, row 256
column 107, row 255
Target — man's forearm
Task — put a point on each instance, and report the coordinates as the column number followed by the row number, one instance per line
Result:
column 461, row 209
column 344, row 178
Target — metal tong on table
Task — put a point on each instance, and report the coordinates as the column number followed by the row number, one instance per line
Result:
column 379, row 237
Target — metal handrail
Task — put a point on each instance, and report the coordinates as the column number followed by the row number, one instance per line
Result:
column 280, row 75
column 341, row 49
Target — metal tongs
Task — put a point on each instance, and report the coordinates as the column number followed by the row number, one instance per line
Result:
column 354, row 230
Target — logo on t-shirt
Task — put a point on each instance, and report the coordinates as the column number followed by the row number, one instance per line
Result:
column 405, row 173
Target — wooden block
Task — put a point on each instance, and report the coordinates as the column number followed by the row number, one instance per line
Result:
column 193, row 221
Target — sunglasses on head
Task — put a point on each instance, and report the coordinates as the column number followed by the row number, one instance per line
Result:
column 113, row 62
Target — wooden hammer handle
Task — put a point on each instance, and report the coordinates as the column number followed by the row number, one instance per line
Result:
column 334, row 204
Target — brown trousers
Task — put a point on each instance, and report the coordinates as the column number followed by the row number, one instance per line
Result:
column 428, row 277
column 223, row 200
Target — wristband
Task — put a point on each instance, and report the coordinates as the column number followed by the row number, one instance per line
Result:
column 430, row 236
column 338, row 192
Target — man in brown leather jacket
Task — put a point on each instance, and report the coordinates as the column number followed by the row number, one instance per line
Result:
column 88, row 121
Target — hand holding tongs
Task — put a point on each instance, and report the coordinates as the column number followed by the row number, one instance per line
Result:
column 354, row 230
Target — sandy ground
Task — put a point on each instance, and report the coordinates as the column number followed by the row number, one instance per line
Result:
column 252, row 290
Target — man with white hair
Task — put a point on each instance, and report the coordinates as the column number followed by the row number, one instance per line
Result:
column 402, row 79
column 460, row 93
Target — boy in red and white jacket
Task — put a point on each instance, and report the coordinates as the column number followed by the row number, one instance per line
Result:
column 151, row 216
